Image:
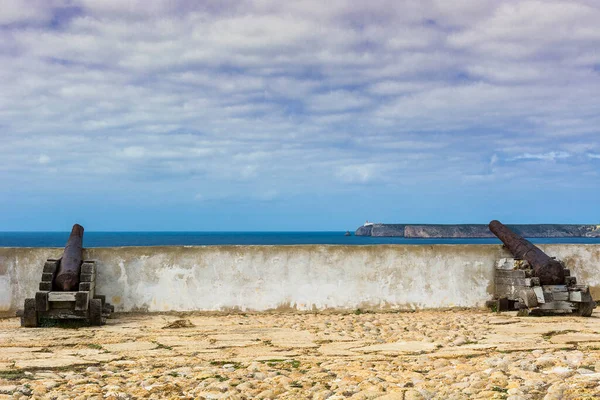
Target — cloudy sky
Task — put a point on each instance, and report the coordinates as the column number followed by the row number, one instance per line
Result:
column 311, row 115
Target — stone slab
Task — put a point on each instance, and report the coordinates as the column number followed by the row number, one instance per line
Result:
column 341, row 348
column 575, row 338
column 457, row 353
column 399, row 347
column 130, row 346
column 52, row 362
column 293, row 339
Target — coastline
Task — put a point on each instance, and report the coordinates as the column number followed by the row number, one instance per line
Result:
column 148, row 239
column 472, row 231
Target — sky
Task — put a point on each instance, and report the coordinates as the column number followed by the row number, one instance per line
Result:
column 277, row 115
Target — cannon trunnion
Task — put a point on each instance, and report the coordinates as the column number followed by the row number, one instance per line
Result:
column 67, row 289
column 533, row 282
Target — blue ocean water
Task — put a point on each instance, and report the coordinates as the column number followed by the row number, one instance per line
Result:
column 113, row 239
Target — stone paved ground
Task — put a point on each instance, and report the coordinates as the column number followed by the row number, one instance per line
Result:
column 429, row 354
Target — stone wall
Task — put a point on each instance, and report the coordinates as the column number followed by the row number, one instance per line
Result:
column 308, row 277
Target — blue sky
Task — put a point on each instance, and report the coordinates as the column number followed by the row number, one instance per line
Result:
column 312, row 115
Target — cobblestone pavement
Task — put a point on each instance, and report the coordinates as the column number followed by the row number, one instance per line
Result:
column 457, row 354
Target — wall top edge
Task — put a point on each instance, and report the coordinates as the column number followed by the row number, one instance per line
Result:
column 388, row 245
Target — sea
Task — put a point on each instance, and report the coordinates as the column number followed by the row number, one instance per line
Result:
column 116, row 239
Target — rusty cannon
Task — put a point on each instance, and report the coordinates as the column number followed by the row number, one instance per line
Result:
column 547, row 269
column 67, row 276
column 534, row 282
column 67, row 289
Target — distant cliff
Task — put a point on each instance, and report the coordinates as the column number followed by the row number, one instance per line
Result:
column 476, row 231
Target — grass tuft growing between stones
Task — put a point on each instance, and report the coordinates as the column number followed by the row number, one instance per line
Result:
column 549, row 335
column 234, row 364
column 13, row 375
column 43, row 350
column 162, row 346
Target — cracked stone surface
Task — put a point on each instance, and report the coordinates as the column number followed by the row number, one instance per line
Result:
column 456, row 354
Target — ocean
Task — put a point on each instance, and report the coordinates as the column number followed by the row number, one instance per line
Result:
column 115, row 239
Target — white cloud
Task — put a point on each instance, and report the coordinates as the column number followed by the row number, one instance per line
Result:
column 238, row 98
column 19, row 11
column 134, row 152
column 527, row 28
column 395, row 88
column 494, row 160
column 359, row 173
column 551, row 156
column 336, row 101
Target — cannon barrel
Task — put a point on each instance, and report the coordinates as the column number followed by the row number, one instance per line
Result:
column 67, row 275
column 549, row 270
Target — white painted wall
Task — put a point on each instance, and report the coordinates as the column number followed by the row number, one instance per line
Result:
column 259, row 278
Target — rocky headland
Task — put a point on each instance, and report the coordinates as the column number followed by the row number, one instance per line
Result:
column 466, row 231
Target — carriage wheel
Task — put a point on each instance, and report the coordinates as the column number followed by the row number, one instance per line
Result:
column 95, row 312
column 30, row 317
column 585, row 309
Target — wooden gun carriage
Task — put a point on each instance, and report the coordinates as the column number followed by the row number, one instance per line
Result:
column 533, row 282
column 67, row 289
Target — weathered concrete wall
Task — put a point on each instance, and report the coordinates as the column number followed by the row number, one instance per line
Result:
column 214, row 278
